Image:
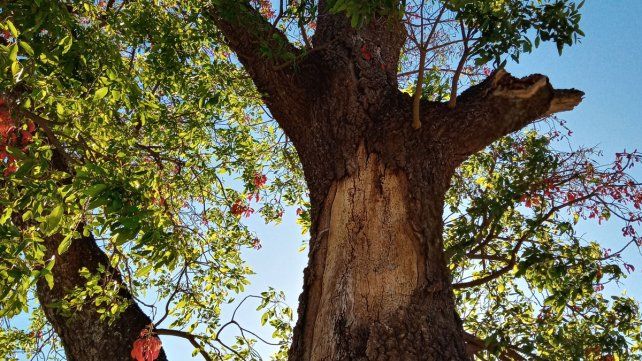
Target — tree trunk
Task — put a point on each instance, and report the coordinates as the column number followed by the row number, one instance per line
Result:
column 377, row 286
column 84, row 336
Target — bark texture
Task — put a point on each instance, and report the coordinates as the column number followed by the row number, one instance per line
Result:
column 377, row 286
column 367, row 272
column 84, row 336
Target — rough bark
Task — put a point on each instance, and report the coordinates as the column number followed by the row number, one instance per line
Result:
column 374, row 290
column 377, row 286
column 84, row 336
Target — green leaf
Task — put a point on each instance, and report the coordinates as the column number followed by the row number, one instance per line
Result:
column 66, row 43
column 100, row 93
column 64, row 244
column 49, row 279
column 13, row 53
column 27, row 48
column 15, row 69
column 95, row 190
column 27, row 215
column 12, row 29
column 144, row 271
column 52, row 221
column 50, row 264
column 6, row 215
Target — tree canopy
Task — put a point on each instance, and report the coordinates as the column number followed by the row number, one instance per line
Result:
column 133, row 124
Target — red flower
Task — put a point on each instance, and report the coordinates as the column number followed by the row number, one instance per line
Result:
column 259, row 180
column 239, row 208
column 570, row 197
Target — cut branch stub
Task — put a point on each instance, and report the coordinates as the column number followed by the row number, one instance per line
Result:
column 565, row 100
column 500, row 105
column 507, row 86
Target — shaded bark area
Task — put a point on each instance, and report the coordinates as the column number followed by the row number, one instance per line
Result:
column 83, row 334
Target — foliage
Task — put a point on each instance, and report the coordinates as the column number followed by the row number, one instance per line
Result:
column 137, row 128
column 130, row 123
column 523, row 267
column 505, row 26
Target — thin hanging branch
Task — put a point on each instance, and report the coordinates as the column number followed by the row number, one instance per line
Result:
column 464, row 57
column 416, row 100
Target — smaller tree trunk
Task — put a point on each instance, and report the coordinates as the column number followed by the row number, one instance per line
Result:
column 84, row 336
column 376, row 286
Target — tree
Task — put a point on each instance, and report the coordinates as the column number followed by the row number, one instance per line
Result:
column 123, row 123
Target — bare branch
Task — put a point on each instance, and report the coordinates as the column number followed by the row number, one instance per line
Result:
column 475, row 345
column 416, row 101
column 186, row 335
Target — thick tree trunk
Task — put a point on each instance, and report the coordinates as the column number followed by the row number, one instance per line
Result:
column 377, row 286
column 84, row 336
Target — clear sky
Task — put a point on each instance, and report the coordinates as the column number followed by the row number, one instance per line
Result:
column 607, row 65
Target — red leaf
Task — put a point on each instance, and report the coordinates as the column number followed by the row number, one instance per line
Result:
column 259, row 180
column 11, row 168
column 146, row 348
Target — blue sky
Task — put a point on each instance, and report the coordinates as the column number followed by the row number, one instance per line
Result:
column 607, row 65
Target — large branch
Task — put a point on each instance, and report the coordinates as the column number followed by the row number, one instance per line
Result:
column 84, row 336
column 267, row 55
column 501, row 105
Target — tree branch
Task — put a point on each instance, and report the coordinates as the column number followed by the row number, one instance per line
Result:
column 186, row 335
column 460, row 67
column 416, row 100
column 260, row 48
column 500, row 105
column 475, row 345
column 84, row 334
